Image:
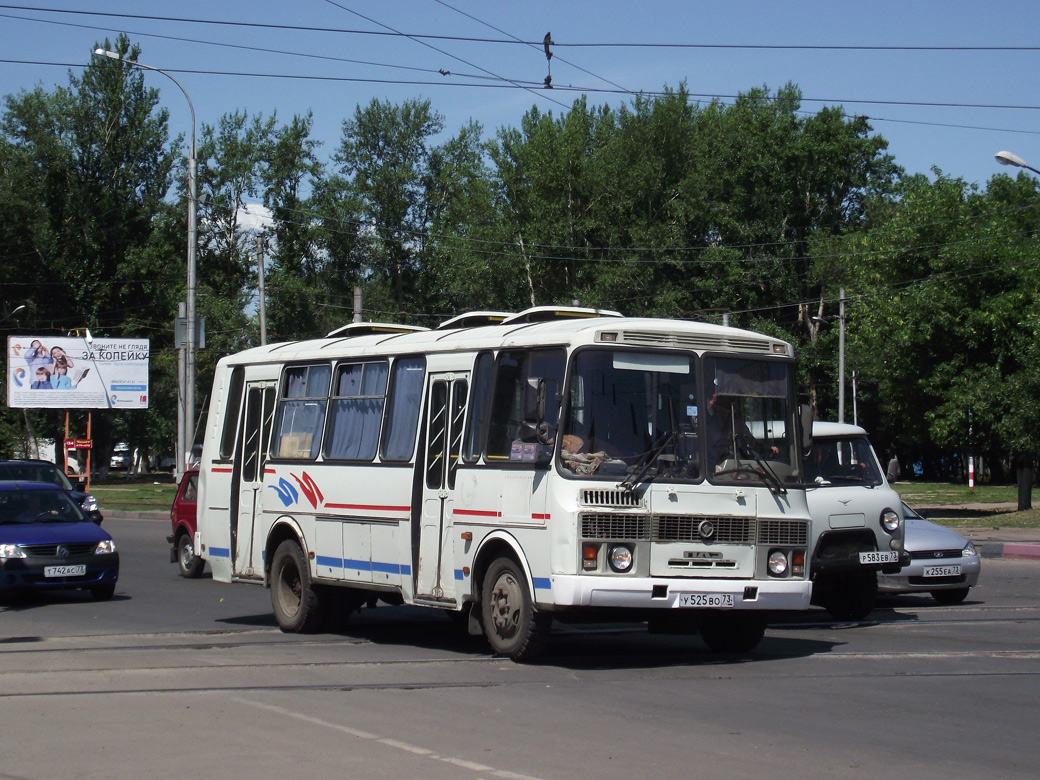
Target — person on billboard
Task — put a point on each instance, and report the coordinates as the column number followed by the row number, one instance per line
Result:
column 43, row 380
column 37, row 354
column 60, row 379
column 57, row 353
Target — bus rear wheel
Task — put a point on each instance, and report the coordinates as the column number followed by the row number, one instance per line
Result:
column 299, row 607
column 511, row 624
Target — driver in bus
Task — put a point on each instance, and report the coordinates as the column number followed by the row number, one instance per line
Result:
column 727, row 429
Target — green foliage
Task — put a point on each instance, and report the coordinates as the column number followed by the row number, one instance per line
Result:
column 664, row 206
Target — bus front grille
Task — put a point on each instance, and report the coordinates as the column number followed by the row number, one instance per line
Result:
column 684, row 528
column 693, row 528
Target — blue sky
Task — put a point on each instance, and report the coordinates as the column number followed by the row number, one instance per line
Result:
column 996, row 91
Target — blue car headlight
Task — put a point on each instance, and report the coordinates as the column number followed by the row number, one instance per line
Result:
column 11, row 551
column 105, row 547
column 90, row 503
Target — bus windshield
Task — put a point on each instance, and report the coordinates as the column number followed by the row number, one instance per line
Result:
column 640, row 416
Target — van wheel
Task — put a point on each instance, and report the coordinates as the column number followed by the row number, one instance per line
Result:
column 511, row 624
column 188, row 562
column 299, row 607
column 853, row 598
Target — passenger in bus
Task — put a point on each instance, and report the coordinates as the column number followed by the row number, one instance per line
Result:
column 573, row 456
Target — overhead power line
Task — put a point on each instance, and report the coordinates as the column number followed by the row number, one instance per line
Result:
column 514, row 42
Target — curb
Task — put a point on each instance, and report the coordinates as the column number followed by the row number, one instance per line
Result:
column 1018, row 550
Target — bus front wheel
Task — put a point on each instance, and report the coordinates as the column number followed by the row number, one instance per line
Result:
column 731, row 632
column 299, row 607
column 511, row 624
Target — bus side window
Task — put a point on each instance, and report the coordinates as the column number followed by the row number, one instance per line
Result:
column 301, row 411
column 480, row 403
column 507, row 406
column 405, row 400
column 357, row 410
column 231, row 408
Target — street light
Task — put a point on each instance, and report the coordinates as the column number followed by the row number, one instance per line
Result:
column 17, row 309
column 186, row 426
column 1010, row 158
column 841, row 352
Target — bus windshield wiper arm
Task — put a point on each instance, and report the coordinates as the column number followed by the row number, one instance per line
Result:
column 642, row 466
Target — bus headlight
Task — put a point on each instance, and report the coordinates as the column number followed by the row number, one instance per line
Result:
column 620, row 558
column 890, row 521
column 778, row 563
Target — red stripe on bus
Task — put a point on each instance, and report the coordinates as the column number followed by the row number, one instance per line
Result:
column 270, row 471
column 539, row 517
column 215, row 470
column 369, row 507
column 477, row 513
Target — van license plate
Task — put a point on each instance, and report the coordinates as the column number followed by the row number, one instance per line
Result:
column 879, row 557
column 716, row 600
column 64, row 571
column 942, row 571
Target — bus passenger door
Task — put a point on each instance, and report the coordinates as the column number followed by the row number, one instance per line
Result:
column 445, row 410
column 255, row 431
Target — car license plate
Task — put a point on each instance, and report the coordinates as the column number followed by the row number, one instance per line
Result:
column 951, row 570
column 879, row 557
column 64, row 571
column 717, row 600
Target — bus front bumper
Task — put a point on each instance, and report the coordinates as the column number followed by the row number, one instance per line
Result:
column 658, row 593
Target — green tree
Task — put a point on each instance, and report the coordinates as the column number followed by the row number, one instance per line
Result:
column 384, row 154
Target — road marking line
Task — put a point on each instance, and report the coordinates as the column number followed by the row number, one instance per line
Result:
column 389, row 742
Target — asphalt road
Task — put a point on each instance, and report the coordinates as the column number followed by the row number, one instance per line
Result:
column 192, row 679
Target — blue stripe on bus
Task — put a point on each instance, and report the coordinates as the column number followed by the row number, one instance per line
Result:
column 219, row 552
column 542, row 583
column 375, row 566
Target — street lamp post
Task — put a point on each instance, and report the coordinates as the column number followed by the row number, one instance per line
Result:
column 187, row 438
column 1025, row 467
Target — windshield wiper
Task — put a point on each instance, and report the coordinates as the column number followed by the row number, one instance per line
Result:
column 769, row 476
column 642, row 467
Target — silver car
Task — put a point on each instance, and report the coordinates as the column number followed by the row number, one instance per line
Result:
column 942, row 562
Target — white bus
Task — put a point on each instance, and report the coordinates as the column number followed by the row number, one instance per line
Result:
column 556, row 463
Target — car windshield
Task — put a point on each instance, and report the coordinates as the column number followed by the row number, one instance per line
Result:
column 38, row 506
column 641, row 416
column 842, row 461
column 35, row 472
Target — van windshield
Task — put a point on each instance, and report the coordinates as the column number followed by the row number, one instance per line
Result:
column 842, row 461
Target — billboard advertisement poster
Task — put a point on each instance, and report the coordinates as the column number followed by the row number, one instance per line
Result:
column 51, row 372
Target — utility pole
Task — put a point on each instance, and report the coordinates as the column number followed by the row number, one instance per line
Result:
column 260, row 288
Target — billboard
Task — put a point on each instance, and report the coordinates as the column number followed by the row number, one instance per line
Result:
column 48, row 372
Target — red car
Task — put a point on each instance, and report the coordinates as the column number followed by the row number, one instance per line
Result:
column 183, row 520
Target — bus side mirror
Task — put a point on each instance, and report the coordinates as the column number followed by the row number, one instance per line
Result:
column 535, row 428
column 806, row 415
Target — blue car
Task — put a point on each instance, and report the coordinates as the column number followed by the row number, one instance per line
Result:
column 47, row 542
column 45, row 471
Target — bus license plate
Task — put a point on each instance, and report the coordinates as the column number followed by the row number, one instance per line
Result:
column 942, row 571
column 64, row 571
column 879, row 557
column 715, row 600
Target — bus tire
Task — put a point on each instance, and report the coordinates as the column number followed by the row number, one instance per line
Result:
column 731, row 632
column 511, row 624
column 188, row 562
column 299, row 607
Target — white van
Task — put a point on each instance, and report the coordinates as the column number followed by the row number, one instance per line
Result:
column 857, row 520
